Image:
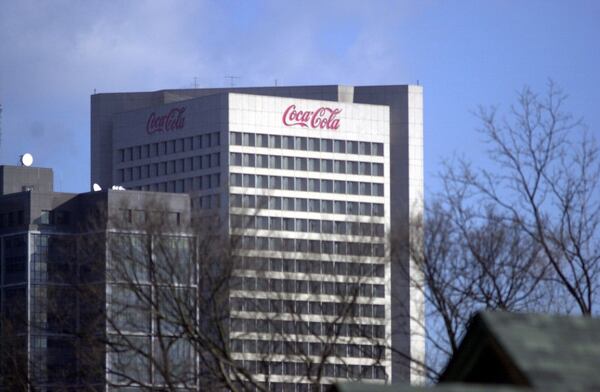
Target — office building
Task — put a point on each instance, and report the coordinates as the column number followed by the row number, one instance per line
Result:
column 310, row 182
column 59, row 304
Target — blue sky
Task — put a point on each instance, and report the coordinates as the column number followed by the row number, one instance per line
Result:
column 465, row 53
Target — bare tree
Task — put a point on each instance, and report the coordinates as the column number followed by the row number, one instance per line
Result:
column 547, row 184
column 520, row 236
column 185, row 310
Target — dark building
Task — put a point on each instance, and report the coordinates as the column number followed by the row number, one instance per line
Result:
column 53, row 256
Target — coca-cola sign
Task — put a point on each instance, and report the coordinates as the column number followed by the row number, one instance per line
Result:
column 322, row 118
column 166, row 123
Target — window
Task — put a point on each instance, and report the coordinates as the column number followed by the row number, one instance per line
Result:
column 301, row 184
column 275, row 203
column 288, row 142
column 377, row 149
column 274, row 141
column 352, row 147
column 301, row 205
column 248, row 139
column 301, row 143
column 365, row 188
column 339, row 146
column 327, row 206
column 314, row 185
column 340, row 227
column 364, row 168
column 288, row 203
column 377, row 169
column 314, row 226
column 364, row 148
column 248, row 201
column 326, row 145
column 262, row 140
column 262, row 223
column 248, row 180
column 314, row 205
column 262, row 182
column 313, row 144
column 274, row 162
column 314, row 164
column 352, row 187
column 235, row 179
column 339, row 186
column 248, row 160
column 274, row 182
column 288, row 163
column 300, row 164
column 275, row 223
column 287, row 183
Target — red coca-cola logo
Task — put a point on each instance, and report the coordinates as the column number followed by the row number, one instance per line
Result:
column 166, row 123
column 322, row 118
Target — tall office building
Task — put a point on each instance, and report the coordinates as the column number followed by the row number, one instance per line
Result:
column 310, row 182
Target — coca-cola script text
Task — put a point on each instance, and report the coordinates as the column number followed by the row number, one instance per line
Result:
column 322, row 118
column 166, row 123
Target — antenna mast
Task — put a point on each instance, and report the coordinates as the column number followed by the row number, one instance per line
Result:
column 232, row 78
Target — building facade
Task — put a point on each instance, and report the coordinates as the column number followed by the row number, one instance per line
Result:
column 314, row 184
column 59, row 302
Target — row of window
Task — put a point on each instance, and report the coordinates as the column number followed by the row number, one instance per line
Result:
column 310, row 266
column 356, row 372
column 343, row 289
column 175, row 166
column 341, row 309
column 305, row 164
column 307, row 225
column 306, row 184
column 207, row 181
column 207, row 202
column 305, row 143
column 293, row 347
column 310, row 246
column 141, row 216
column 301, row 327
column 169, row 147
column 12, row 218
column 306, row 205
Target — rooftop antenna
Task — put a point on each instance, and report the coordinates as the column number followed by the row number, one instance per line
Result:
column 232, row 78
column 275, row 82
column 195, row 82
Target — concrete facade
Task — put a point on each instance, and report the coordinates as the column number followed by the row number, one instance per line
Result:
column 235, row 153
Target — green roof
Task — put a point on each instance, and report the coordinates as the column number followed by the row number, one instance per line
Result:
column 446, row 387
column 510, row 352
column 557, row 352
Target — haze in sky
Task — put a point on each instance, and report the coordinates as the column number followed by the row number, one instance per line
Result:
column 54, row 55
